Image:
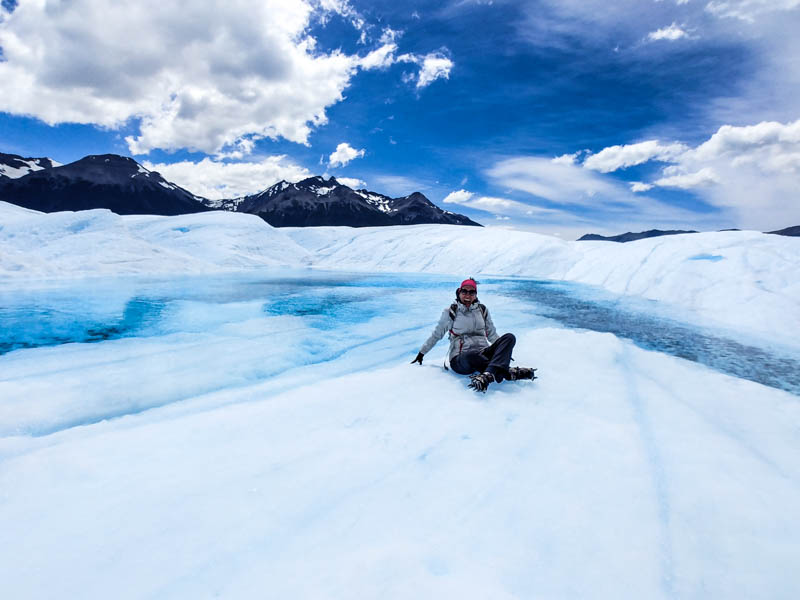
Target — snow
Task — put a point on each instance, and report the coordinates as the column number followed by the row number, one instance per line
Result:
column 17, row 172
column 322, row 191
column 752, row 284
column 740, row 279
column 381, row 202
column 620, row 469
column 281, row 445
column 99, row 242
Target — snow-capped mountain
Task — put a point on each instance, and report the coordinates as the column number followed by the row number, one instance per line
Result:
column 317, row 201
column 117, row 183
column 13, row 166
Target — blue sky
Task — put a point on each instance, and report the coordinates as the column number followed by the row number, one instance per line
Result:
column 557, row 116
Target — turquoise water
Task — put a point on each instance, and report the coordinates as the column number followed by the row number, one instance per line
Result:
column 96, row 310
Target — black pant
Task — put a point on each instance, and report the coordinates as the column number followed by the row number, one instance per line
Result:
column 494, row 359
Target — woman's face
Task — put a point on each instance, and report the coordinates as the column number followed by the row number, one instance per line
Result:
column 467, row 295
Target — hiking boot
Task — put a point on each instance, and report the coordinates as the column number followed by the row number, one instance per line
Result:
column 517, row 373
column 481, row 381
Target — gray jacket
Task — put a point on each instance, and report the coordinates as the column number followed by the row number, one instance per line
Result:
column 469, row 331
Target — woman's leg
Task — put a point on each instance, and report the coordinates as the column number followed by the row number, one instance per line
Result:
column 498, row 356
column 467, row 363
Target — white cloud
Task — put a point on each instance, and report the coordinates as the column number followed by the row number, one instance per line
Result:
column 200, row 75
column 617, row 157
column 766, row 145
column 674, row 178
column 345, row 9
column 748, row 10
column 557, row 182
column 672, row 33
column 352, row 182
column 433, row 66
column 582, row 197
column 566, row 159
column 764, row 150
column 215, row 180
column 459, row 197
column 495, row 205
column 239, row 149
column 344, row 154
column 381, row 58
column 752, row 172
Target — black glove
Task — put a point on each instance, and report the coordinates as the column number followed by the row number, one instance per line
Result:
column 418, row 359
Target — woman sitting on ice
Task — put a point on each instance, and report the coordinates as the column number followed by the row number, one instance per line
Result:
column 474, row 344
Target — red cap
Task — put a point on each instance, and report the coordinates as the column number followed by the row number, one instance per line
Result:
column 469, row 283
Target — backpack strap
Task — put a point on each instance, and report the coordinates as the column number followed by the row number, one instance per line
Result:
column 452, row 312
column 454, row 308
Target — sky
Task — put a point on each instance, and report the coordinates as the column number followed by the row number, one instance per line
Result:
column 558, row 116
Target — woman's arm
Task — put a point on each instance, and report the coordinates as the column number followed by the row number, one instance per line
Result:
column 491, row 332
column 442, row 327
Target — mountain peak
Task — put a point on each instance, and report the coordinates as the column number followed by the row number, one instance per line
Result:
column 14, row 166
column 317, row 180
column 111, row 181
column 317, row 201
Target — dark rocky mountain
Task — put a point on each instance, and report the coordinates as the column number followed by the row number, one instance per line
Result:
column 317, row 201
column 117, row 183
column 123, row 186
column 13, row 166
column 630, row 236
column 793, row 231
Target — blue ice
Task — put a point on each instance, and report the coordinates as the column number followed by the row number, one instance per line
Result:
column 339, row 313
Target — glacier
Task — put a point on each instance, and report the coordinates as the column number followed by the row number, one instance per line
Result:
column 257, row 429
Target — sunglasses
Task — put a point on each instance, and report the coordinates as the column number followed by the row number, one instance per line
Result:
column 468, row 292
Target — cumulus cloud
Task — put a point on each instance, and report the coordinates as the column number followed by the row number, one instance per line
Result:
column 771, row 146
column 381, row 58
column 344, row 154
column 458, row 197
column 352, row 182
column 674, row 178
column 433, row 66
column 566, row 159
column 752, row 171
column 618, row 157
column 216, row 180
column 671, row 33
column 639, row 186
column 199, row 75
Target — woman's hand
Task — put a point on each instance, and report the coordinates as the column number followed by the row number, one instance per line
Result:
column 418, row 359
